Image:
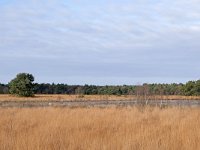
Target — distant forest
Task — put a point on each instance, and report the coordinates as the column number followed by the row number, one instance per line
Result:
column 191, row 88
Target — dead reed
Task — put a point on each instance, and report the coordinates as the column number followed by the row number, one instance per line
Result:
column 96, row 128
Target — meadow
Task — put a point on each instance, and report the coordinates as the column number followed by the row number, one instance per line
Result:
column 126, row 128
column 65, row 97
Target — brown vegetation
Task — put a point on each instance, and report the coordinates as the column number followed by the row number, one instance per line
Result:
column 56, row 97
column 96, row 128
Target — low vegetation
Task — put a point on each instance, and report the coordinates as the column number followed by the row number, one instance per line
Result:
column 64, row 97
column 95, row 128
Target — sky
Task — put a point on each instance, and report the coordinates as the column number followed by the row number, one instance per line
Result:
column 101, row 42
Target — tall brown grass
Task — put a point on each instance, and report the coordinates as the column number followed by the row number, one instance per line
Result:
column 57, row 97
column 97, row 128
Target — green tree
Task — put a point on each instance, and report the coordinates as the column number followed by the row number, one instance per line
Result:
column 189, row 88
column 22, row 85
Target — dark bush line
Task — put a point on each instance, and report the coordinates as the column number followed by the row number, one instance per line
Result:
column 191, row 88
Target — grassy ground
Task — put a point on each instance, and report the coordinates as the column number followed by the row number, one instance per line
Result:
column 93, row 97
column 95, row 128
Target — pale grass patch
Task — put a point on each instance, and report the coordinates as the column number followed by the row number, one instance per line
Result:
column 96, row 128
column 63, row 97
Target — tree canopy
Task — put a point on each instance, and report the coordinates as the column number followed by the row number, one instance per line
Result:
column 22, row 85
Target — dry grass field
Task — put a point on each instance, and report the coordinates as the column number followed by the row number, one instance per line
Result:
column 55, row 97
column 131, row 128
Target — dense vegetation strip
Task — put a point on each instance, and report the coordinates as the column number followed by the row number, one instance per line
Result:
column 191, row 88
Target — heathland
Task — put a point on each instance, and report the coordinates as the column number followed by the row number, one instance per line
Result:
column 100, row 128
column 65, row 97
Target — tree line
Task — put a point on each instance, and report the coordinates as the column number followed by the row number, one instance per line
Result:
column 23, row 85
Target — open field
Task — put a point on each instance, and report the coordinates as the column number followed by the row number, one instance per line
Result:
column 96, row 101
column 99, row 103
column 55, row 97
column 95, row 128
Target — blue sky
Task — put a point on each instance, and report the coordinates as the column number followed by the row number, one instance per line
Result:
column 100, row 42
